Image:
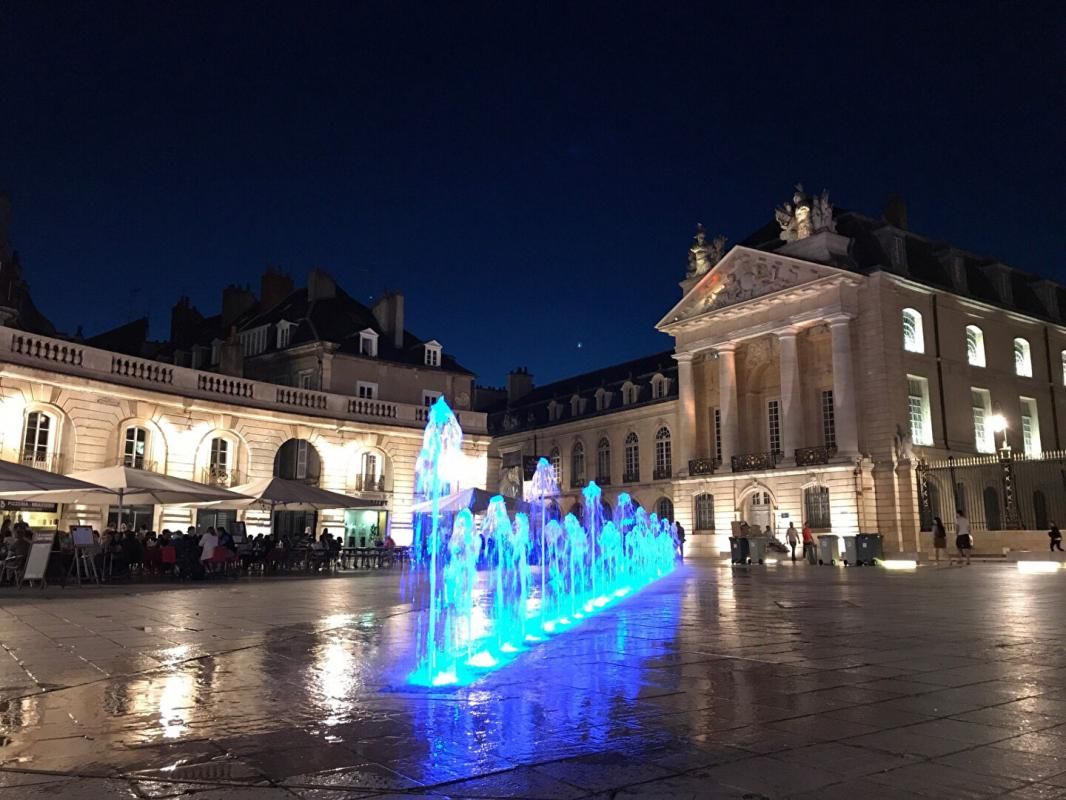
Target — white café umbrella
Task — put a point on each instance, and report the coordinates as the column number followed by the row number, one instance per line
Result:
column 128, row 486
column 19, row 478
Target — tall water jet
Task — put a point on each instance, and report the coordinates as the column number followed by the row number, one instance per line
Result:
column 543, row 488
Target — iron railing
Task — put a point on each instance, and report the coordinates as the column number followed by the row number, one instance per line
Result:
column 662, row 473
column 631, row 477
column 215, row 475
column 369, row 483
column 701, row 466
column 810, row 456
column 753, row 462
column 603, row 480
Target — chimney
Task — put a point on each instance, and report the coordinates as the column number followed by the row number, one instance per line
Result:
column 320, row 286
column 185, row 322
column 235, row 301
column 388, row 311
column 519, row 384
column 274, row 287
column 231, row 361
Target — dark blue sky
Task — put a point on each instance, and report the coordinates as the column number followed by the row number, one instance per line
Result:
column 528, row 174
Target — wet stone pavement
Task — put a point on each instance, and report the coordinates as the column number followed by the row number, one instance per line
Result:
column 785, row 681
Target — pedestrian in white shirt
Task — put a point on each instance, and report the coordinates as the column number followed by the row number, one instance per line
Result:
column 963, row 537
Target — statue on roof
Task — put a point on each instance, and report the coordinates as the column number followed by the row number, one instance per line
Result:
column 703, row 256
column 805, row 215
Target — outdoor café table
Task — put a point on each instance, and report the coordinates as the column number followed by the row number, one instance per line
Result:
column 349, row 555
column 370, row 556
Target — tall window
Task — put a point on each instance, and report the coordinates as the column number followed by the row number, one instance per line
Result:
column 773, row 425
column 576, row 405
column 664, row 466
column 370, row 465
column 577, row 465
column 133, row 453
column 218, row 466
column 665, row 509
column 371, row 479
column 816, row 507
column 983, row 435
column 365, row 390
column 918, row 410
column 703, row 511
column 632, row 458
column 913, row 336
column 718, row 435
column 432, row 354
column 1030, row 426
column 603, row 461
column 975, row 346
column 556, row 460
column 1023, row 360
column 829, row 429
column 658, row 387
column 602, row 397
column 38, row 437
column 629, row 393
column 1064, row 367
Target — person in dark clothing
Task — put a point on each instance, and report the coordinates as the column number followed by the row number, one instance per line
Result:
column 680, row 540
column 1055, row 535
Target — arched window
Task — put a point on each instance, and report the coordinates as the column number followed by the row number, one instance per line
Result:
column 632, row 459
column 1040, row 509
column 371, row 476
column 135, row 447
column 991, row 499
column 556, row 460
column 1023, row 360
column 816, row 507
column 664, row 466
column 577, row 465
column 219, row 463
column 913, row 336
column 975, row 346
column 603, row 462
column 38, row 440
column 703, row 511
column 665, row 509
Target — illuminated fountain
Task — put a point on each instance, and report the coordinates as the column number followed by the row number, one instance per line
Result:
column 471, row 621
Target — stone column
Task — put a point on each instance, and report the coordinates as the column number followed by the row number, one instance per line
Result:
column 686, row 399
column 727, row 401
column 791, row 397
column 847, row 429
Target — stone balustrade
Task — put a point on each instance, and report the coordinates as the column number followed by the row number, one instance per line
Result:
column 43, row 352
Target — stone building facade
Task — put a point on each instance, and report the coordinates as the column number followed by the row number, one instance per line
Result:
column 824, row 360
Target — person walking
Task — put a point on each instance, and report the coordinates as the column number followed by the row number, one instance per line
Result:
column 809, row 551
column 963, row 537
column 793, row 538
column 1055, row 535
column 940, row 537
column 680, row 540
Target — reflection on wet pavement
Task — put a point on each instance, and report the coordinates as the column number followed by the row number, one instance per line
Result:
column 776, row 682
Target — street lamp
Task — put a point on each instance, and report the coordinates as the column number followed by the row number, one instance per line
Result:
column 999, row 424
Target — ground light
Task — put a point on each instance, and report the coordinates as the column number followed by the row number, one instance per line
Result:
column 898, row 563
column 1039, row 566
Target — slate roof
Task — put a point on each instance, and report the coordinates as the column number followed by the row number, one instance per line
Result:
column 532, row 409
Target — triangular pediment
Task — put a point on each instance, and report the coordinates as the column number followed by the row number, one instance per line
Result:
column 741, row 276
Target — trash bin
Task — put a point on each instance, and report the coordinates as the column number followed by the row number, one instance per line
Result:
column 828, row 549
column 849, row 550
column 868, row 546
column 757, row 548
column 738, row 549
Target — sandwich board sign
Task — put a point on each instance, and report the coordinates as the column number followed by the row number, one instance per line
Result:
column 37, row 561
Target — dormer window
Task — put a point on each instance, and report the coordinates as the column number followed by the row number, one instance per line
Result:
column 555, row 411
column 284, row 333
column 368, row 343
column 216, row 352
column 660, row 387
column 629, row 393
column 603, row 399
column 577, row 405
column 432, row 354
column 254, row 342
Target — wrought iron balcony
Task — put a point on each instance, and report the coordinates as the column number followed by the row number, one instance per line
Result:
column 661, row 474
column 136, row 462
column 217, row 475
column 810, row 456
column 40, row 460
column 577, row 483
column 603, row 480
column 631, row 477
column 753, row 462
column 369, row 483
column 702, row 466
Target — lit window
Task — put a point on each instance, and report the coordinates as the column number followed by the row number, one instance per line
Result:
column 704, row 511
column 663, row 454
column 829, row 431
column 134, row 448
column 975, row 346
column 37, row 440
column 577, row 465
column 665, row 509
column 556, row 460
column 816, row 507
column 1023, row 360
column 918, row 410
column 1030, row 427
column 218, row 465
column 913, row 336
column 632, row 458
column 603, row 462
column 983, row 435
column 773, row 425
column 365, row 390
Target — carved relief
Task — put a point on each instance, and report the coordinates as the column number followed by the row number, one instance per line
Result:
column 748, row 278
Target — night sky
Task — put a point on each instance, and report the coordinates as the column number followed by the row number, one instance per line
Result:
column 529, row 175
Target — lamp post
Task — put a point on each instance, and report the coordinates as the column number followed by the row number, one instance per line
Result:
column 1011, row 519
